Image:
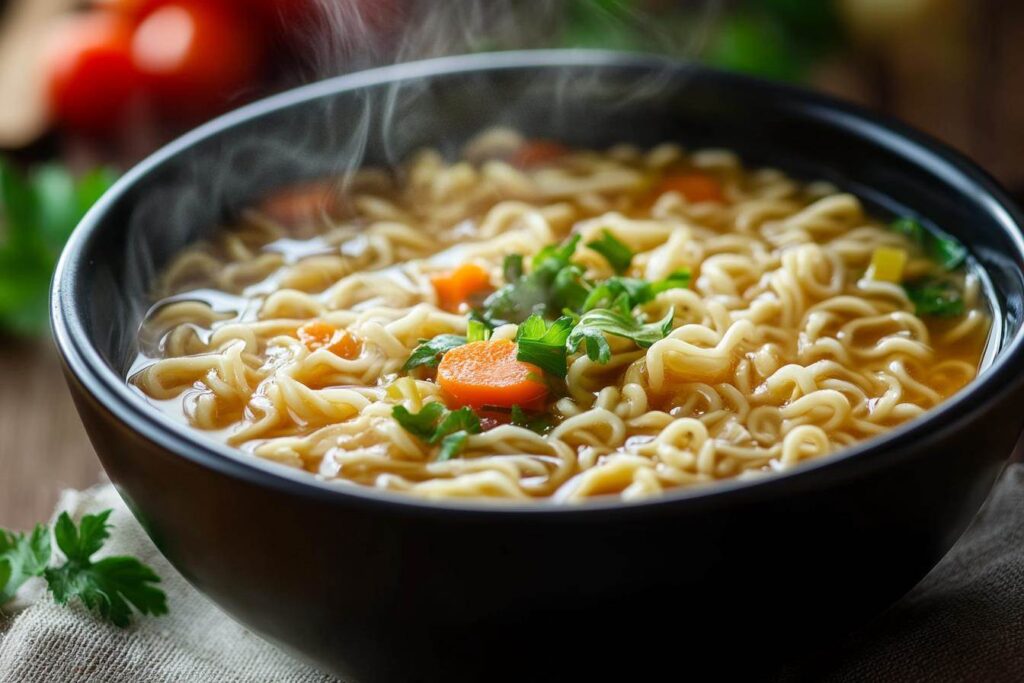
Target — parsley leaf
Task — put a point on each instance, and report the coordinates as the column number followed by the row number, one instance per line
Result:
column 593, row 324
column 544, row 345
column 421, row 424
column 541, row 423
column 554, row 283
column 22, row 556
column 618, row 255
column 436, row 424
column 429, row 352
column 556, row 255
column 932, row 296
column 637, row 291
column 111, row 586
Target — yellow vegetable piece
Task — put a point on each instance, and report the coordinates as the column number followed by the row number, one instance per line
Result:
column 887, row 264
column 406, row 389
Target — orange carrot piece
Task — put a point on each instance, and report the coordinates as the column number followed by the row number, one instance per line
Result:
column 320, row 335
column 488, row 373
column 455, row 287
column 696, row 187
column 538, row 153
column 303, row 203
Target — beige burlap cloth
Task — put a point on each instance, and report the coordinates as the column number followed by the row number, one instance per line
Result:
column 196, row 642
column 964, row 621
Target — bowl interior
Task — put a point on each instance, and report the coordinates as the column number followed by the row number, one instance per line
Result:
column 586, row 99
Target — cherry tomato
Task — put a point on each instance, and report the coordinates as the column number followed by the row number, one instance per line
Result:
column 197, row 54
column 91, row 76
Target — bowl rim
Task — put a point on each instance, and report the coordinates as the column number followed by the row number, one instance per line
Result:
column 84, row 362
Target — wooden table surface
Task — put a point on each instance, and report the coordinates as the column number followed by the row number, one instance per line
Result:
column 43, row 447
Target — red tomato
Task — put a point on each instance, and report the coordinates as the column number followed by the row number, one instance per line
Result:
column 197, row 54
column 270, row 9
column 91, row 76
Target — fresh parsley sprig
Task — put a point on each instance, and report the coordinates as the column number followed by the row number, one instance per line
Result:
column 429, row 352
column 608, row 294
column 22, row 556
column 593, row 325
column 552, row 284
column 435, row 424
column 543, row 344
column 111, row 586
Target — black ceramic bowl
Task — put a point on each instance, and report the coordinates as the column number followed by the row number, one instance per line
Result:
column 376, row 586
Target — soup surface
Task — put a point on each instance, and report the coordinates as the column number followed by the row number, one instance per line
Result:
column 534, row 322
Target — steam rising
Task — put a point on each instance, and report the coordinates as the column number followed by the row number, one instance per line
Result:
column 331, row 136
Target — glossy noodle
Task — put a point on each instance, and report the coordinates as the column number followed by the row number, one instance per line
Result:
column 748, row 322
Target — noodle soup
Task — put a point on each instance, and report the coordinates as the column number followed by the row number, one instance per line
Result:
column 536, row 322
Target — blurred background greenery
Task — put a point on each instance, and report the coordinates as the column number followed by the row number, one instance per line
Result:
column 90, row 87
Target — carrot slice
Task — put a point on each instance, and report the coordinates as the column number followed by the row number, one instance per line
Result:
column 538, row 153
column 488, row 373
column 320, row 335
column 455, row 287
column 696, row 187
column 302, row 204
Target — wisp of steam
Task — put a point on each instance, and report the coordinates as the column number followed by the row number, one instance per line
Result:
column 331, row 137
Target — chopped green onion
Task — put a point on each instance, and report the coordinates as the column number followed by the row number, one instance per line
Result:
column 476, row 330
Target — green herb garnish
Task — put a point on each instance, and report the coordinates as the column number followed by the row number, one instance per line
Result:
column 544, row 345
column 932, row 296
column 594, row 324
column 540, row 423
column 910, row 229
column 512, row 267
column 553, row 283
column 429, row 352
column 618, row 255
column 945, row 251
column 637, row 291
column 435, row 424
column 22, row 556
column 111, row 586
column 476, row 330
